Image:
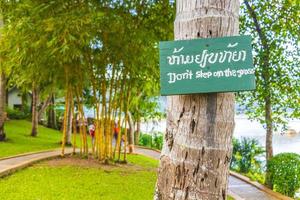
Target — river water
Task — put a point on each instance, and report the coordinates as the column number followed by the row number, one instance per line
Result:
column 251, row 129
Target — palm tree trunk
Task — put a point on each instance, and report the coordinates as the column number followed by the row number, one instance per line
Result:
column 195, row 159
column 2, row 105
column 35, row 112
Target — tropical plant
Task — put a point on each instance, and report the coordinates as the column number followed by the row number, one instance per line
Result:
column 247, row 155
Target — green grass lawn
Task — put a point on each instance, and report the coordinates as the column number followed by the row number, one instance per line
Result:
column 19, row 141
column 71, row 178
column 74, row 178
column 230, row 198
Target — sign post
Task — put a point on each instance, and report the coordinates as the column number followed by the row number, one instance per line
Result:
column 206, row 65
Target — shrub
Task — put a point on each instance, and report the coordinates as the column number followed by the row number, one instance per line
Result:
column 245, row 156
column 17, row 114
column 145, row 140
column 155, row 141
column 254, row 176
column 283, row 173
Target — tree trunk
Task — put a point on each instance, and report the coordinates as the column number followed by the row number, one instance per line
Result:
column 69, row 122
column 2, row 98
column 2, row 105
column 35, row 111
column 131, row 133
column 51, row 114
column 269, row 137
column 265, row 63
column 194, row 163
column 24, row 101
column 137, row 131
column 45, row 104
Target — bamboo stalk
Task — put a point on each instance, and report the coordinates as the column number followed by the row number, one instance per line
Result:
column 110, row 128
column 118, row 142
column 100, row 134
column 80, row 123
column 105, row 120
column 114, row 115
column 74, row 128
column 64, row 137
column 126, row 120
column 122, row 97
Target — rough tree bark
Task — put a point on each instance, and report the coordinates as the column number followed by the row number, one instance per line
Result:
column 35, row 110
column 194, row 163
column 2, row 105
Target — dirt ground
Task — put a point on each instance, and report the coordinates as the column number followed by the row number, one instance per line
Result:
column 88, row 163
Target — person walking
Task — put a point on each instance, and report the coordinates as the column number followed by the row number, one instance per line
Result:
column 92, row 134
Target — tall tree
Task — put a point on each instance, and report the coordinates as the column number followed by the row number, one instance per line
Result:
column 195, row 159
column 5, row 7
column 24, row 56
column 274, row 26
column 2, row 105
column 2, row 96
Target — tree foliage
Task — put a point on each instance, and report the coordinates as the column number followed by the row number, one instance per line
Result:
column 274, row 26
column 108, row 49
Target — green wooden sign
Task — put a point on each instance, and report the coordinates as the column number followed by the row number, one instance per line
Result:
column 206, row 65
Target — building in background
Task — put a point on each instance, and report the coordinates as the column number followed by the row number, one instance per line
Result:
column 16, row 99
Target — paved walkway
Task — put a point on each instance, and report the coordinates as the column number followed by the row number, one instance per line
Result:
column 247, row 191
column 237, row 188
column 10, row 165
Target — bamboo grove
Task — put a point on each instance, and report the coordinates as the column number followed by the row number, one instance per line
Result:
column 103, row 53
column 111, row 93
